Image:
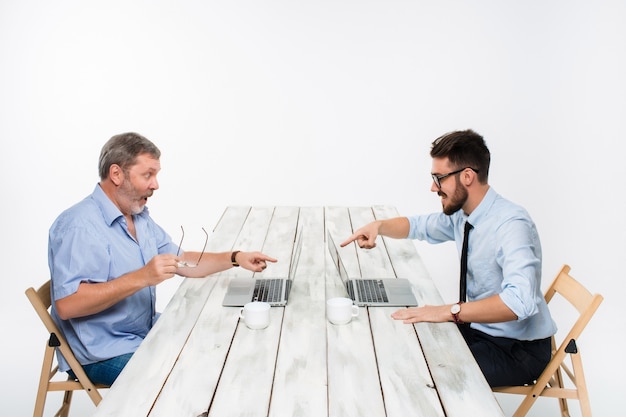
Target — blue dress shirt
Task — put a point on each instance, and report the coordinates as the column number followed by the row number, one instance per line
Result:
column 504, row 258
column 90, row 242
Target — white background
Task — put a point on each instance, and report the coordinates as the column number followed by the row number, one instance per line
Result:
column 317, row 103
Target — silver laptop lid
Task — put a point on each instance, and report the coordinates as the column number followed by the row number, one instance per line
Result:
column 334, row 253
column 295, row 255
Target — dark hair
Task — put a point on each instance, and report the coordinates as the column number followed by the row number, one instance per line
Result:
column 123, row 150
column 464, row 148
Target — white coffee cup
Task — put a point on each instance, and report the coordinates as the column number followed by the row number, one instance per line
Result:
column 256, row 314
column 340, row 310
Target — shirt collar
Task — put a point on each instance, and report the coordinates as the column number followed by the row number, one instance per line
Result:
column 483, row 207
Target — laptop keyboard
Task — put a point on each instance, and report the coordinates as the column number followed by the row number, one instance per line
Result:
column 268, row 290
column 371, row 291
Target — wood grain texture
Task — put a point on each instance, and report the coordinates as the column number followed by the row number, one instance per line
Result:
column 460, row 383
column 201, row 360
column 300, row 380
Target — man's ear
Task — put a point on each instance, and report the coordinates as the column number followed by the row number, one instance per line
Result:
column 116, row 174
column 468, row 177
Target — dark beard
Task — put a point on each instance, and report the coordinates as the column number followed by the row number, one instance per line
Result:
column 457, row 200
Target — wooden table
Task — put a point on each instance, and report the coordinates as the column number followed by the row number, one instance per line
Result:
column 199, row 359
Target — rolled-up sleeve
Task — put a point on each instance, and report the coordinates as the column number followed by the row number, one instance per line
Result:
column 519, row 256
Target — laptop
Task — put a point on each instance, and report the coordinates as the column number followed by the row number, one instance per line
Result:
column 274, row 291
column 374, row 291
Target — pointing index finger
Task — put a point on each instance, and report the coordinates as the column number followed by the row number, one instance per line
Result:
column 349, row 240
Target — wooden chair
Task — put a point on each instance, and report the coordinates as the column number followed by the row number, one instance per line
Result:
column 551, row 383
column 48, row 381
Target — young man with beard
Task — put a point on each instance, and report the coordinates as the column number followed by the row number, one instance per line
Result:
column 106, row 256
column 503, row 316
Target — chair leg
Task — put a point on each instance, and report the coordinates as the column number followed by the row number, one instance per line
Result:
column 40, row 402
column 558, row 383
column 42, row 390
column 525, row 405
column 581, row 385
column 537, row 389
column 64, row 411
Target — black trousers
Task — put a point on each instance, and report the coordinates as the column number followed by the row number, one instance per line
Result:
column 507, row 361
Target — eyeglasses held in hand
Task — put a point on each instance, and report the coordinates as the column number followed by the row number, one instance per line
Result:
column 437, row 178
column 185, row 264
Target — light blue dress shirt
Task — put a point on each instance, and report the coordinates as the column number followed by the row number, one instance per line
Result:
column 504, row 257
column 90, row 242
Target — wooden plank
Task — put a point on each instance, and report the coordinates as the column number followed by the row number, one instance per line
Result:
column 245, row 385
column 300, row 364
column 460, row 383
column 407, row 386
column 353, row 382
column 140, row 383
column 279, row 241
column 300, row 381
column 405, row 379
column 189, row 389
column 228, row 227
column 194, row 379
column 251, row 236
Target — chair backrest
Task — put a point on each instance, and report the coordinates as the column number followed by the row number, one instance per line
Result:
column 551, row 382
column 579, row 297
column 41, row 301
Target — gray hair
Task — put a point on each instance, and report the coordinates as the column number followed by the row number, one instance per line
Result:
column 123, row 150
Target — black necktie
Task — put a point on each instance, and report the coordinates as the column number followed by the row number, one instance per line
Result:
column 463, row 284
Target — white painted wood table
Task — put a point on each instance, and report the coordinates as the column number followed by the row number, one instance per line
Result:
column 200, row 360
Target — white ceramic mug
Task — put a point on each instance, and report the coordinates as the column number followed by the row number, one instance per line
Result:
column 256, row 314
column 340, row 310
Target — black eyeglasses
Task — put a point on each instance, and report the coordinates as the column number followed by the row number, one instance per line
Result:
column 437, row 178
column 186, row 264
